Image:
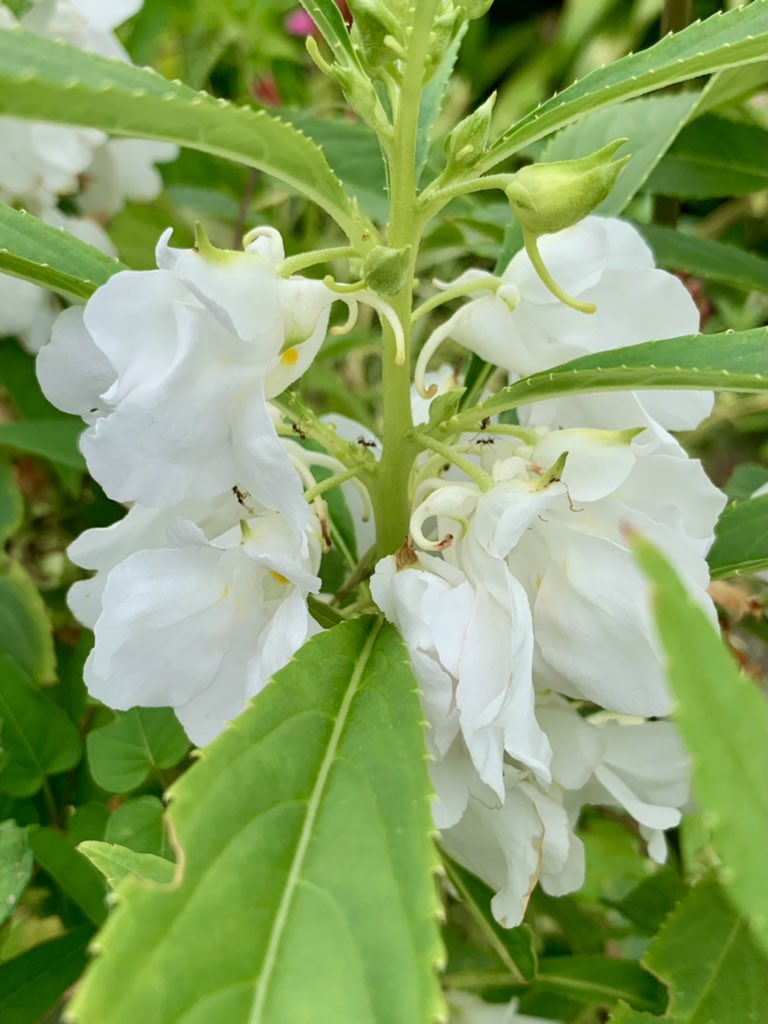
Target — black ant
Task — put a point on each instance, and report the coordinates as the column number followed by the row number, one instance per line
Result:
column 365, row 443
column 297, row 430
column 485, row 422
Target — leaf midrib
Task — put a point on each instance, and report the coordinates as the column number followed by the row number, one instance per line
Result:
column 305, row 836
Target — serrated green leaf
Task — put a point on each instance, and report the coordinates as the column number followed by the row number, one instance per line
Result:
column 11, row 502
column 80, row 880
column 15, row 867
column 51, row 257
column 122, row 754
column 118, row 862
column 707, row 956
column 741, row 539
column 37, row 735
column 713, row 157
column 322, row 860
column 703, row 257
column 723, row 719
column 55, row 440
column 601, row 981
column 722, row 41
column 649, row 903
column 50, row 81
column 733, row 361
column 25, row 629
column 512, row 948
column 650, row 124
column 139, row 825
column 31, row 984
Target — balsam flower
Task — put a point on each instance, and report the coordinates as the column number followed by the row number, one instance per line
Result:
column 520, row 326
column 558, row 513
column 173, row 369
column 194, row 607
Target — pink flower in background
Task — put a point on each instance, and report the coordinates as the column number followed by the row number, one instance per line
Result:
column 299, row 23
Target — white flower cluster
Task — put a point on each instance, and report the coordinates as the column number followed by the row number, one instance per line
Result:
column 200, row 591
column 527, row 621
column 40, row 162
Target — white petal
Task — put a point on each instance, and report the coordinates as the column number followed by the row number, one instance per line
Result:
column 72, row 371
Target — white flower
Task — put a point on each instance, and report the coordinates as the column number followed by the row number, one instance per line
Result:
column 524, row 329
column 85, row 24
column 123, row 170
column 193, row 609
column 564, row 540
column 173, row 368
column 26, row 311
column 471, row 645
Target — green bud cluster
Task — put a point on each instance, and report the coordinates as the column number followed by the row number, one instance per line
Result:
column 469, row 138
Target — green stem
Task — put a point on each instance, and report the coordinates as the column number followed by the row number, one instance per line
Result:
column 485, row 284
column 483, row 480
column 294, row 264
column 436, row 196
column 391, row 491
column 330, row 482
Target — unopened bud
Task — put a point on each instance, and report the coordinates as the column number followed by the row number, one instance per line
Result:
column 470, row 137
column 386, row 269
column 551, row 197
column 376, row 25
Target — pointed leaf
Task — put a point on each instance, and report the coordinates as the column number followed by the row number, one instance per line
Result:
column 50, row 81
column 51, row 257
column 722, row 41
column 308, row 820
column 71, row 871
column 139, row 825
column 723, row 719
column 117, row 862
column 15, row 866
column 123, row 753
column 707, row 956
column 741, row 539
column 38, row 736
column 703, row 257
column 733, row 361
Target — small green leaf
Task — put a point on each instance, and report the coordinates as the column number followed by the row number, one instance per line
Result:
column 15, row 866
column 37, row 735
column 741, row 539
column 123, row 753
column 25, row 629
column 723, row 719
column 324, row 861
column 32, row 984
column 71, row 872
column 50, row 81
column 722, row 41
column 733, row 361
column 118, row 862
column 330, row 21
column 703, row 257
column 745, row 480
column 649, row 903
column 714, row 156
column 512, row 948
column 707, row 956
column 139, row 824
column 55, row 440
column 11, row 502
column 51, row 257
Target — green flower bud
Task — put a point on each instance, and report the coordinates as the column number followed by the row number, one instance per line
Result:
column 443, row 30
column 470, row 137
column 550, row 197
column 373, row 22
column 385, row 269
